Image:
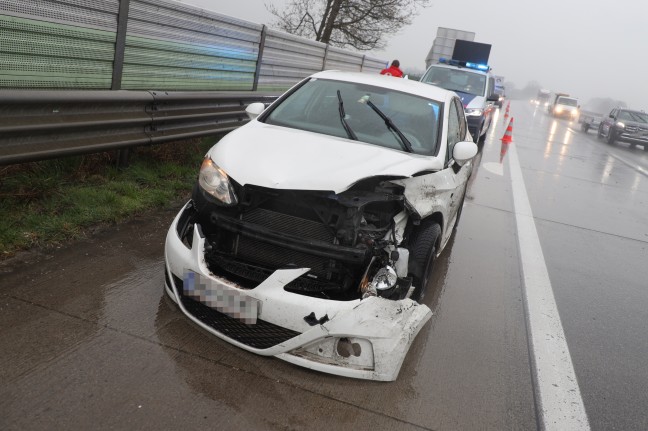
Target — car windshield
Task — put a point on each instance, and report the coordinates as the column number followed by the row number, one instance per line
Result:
column 320, row 106
column 637, row 117
column 456, row 80
column 567, row 101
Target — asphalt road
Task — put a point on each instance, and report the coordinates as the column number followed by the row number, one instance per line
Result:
column 88, row 341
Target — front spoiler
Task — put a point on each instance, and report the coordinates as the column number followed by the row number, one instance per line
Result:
column 385, row 328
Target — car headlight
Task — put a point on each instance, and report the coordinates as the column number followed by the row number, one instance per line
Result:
column 620, row 125
column 558, row 109
column 214, row 181
column 474, row 112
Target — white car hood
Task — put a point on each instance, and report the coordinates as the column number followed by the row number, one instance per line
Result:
column 283, row 158
column 477, row 102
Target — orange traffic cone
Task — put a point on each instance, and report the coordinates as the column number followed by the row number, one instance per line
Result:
column 506, row 114
column 506, row 140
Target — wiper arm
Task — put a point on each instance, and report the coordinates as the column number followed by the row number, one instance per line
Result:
column 390, row 124
column 346, row 126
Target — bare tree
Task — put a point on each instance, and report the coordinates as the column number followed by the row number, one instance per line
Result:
column 361, row 24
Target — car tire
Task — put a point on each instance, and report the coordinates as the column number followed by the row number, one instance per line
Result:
column 611, row 137
column 423, row 247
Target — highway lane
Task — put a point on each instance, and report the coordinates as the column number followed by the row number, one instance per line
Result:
column 590, row 201
column 88, row 340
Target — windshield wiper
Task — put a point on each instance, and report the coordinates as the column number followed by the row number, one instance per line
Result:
column 346, row 126
column 389, row 123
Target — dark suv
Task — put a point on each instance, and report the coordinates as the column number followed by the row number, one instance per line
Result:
column 625, row 125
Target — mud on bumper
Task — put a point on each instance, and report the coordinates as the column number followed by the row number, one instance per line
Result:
column 365, row 339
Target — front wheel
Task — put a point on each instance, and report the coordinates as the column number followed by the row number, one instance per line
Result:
column 423, row 247
column 611, row 137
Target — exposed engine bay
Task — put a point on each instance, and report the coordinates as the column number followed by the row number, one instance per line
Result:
column 349, row 241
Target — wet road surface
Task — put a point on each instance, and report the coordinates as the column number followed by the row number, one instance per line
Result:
column 88, row 340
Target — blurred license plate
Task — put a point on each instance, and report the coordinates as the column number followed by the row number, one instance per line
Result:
column 221, row 297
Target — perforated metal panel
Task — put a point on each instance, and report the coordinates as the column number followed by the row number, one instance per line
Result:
column 99, row 14
column 339, row 59
column 287, row 59
column 372, row 65
column 171, row 46
column 39, row 54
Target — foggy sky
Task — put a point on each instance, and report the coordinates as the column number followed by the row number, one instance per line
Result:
column 584, row 48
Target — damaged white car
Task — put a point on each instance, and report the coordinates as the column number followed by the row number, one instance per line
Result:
column 312, row 230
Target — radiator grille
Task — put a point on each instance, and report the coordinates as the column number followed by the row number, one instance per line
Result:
column 289, row 224
column 275, row 256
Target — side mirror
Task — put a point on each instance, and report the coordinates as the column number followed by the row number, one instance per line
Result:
column 254, row 110
column 464, row 151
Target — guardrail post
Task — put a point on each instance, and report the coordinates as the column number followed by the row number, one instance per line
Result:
column 120, row 44
column 363, row 62
column 325, row 57
column 118, row 65
column 257, row 72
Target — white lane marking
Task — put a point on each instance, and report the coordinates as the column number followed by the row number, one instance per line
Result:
column 630, row 164
column 494, row 168
column 560, row 405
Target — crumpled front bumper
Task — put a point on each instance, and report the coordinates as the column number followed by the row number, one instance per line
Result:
column 365, row 339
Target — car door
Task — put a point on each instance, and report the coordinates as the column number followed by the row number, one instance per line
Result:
column 442, row 191
column 457, row 132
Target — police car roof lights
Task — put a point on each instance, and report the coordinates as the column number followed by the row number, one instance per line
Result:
column 466, row 64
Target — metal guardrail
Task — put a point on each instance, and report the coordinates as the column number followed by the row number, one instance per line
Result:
column 37, row 125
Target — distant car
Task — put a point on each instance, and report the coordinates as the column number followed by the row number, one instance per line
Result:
column 625, row 125
column 564, row 106
column 313, row 229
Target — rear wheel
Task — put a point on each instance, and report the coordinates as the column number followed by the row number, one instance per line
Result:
column 423, row 247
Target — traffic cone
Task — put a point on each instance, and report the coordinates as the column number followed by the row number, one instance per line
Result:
column 506, row 114
column 506, row 140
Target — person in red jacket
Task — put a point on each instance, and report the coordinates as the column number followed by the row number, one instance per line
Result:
column 393, row 70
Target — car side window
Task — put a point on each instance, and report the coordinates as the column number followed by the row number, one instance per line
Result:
column 455, row 125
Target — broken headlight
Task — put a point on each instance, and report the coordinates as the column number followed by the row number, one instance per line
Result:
column 214, row 181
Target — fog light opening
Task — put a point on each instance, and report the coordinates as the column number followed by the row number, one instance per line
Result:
column 346, row 348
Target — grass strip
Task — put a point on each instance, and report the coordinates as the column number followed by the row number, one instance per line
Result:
column 48, row 203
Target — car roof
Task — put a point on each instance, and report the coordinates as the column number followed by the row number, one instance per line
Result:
column 390, row 82
column 464, row 69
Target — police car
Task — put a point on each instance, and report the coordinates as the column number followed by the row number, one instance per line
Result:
column 474, row 84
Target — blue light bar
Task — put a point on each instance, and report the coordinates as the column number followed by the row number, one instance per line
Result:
column 483, row 67
column 475, row 66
